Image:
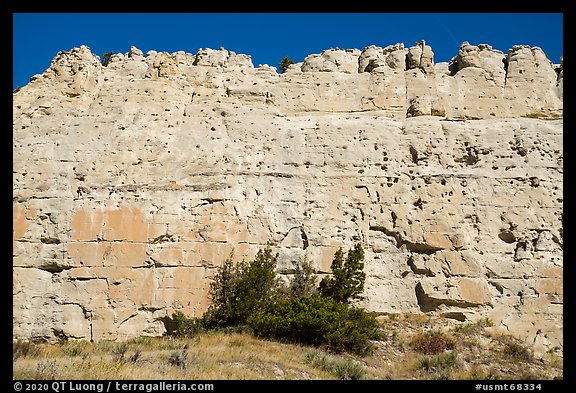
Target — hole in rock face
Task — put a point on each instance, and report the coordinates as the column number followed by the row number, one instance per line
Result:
column 459, row 316
column 304, row 237
column 507, row 236
column 414, row 154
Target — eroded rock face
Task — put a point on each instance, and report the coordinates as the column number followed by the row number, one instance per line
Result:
column 133, row 182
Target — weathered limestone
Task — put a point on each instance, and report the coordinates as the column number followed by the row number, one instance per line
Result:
column 133, row 182
column 333, row 60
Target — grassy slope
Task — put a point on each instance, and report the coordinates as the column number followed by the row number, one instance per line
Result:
column 478, row 353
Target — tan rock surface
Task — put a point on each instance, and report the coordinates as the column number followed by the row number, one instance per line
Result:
column 133, row 182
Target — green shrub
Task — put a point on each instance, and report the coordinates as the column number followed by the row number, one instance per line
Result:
column 73, row 348
column 438, row 366
column 106, row 58
column 317, row 321
column 120, row 350
column 286, row 61
column 348, row 277
column 474, row 327
column 238, row 291
column 348, row 370
column 250, row 295
column 432, row 342
column 435, row 362
column 183, row 326
column 142, row 340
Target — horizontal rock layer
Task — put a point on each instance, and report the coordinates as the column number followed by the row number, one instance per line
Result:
column 133, row 182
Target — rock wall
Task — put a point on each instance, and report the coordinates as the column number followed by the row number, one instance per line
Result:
column 133, row 182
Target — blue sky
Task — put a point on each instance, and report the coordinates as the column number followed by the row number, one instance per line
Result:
column 268, row 37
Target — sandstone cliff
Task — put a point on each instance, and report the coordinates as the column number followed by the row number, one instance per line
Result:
column 132, row 182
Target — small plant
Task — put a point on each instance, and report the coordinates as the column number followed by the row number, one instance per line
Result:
column 135, row 356
column 169, row 344
column 443, row 361
column 120, row 351
column 145, row 341
column 477, row 373
column 286, row 61
column 517, row 351
column 348, row 370
column 311, row 356
column 347, row 280
column 485, row 322
column 438, row 366
column 46, row 370
column 106, row 58
column 240, row 290
column 432, row 342
column 303, row 282
column 178, row 358
column 184, row 326
column 342, row 369
column 512, row 348
column 73, row 348
column 24, row 349
column 104, row 346
column 474, row 327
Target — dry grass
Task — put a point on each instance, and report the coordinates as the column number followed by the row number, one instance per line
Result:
column 477, row 354
column 208, row 356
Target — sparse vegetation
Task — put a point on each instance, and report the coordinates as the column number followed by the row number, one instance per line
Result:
column 438, row 366
column 474, row 327
column 73, row 348
column 135, row 356
column 178, row 358
column 120, row 350
column 284, row 63
column 24, row 349
column 144, row 341
column 514, row 349
column 47, row 370
column 432, row 342
column 214, row 355
column 106, row 58
column 345, row 369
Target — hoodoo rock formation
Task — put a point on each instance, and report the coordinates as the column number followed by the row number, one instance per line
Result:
column 133, row 181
